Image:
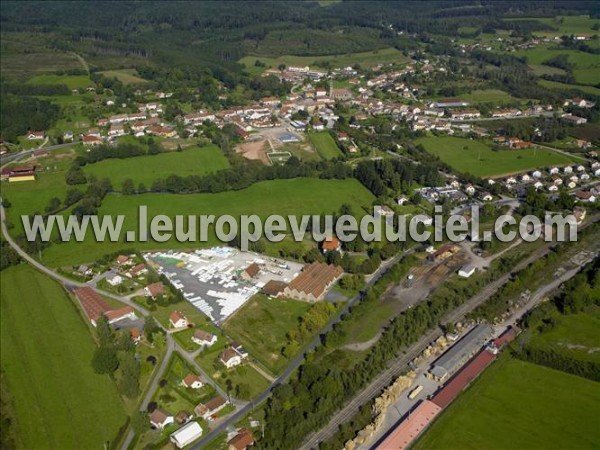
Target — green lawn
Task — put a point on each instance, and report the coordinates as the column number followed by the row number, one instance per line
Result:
column 386, row 55
column 261, row 326
column 563, row 86
column 325, row 145
column 575, row 335
column 59, row 401
column 296, row 196
column 146, row 169
column 488, row 96
column 125, row 76
column 516, row 404
column 71, row 81
column 477, row 158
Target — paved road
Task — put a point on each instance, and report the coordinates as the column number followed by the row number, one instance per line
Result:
column 11, row 157
column 399, row 365
column 240, row 413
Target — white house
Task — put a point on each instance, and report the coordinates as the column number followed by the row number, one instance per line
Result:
column 553, row 188
column 178, row 320
column 230, row 358
column 537, row 174
column 204, row 338
column 525, row 177
column 192, row 381
column 553, row 170
column 491, row 182
column 186, row 434
column 469, row 189
column 401, row 200
column 160, row 418
column 511, row 180
column 538, row 185
column 466, row 271
column 115, row 280
column 568, row 169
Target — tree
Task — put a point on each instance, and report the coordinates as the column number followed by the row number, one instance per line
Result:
column 53, row 204
column 139, row 423
column 104, row 332
column 130, row 374
column 128, row 188
column 105, row 360
column 75, row 176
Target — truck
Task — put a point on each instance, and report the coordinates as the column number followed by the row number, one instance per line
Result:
column 416, row 391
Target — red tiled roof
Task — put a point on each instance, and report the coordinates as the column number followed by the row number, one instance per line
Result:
column 274, row 287
column 468, row 373
column 242, row 440
column 116, row 314
column 176, row 316
column 330, row 244
column 227, row 354
column 156, row 289
column 93, row 305
column 315, row 278
column 252, row 270
column 191, row 379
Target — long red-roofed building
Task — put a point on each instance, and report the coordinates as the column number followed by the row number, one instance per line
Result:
column 413, row 425
column 94, row 306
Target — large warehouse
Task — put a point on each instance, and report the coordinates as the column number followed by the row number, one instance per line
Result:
column 460, row 353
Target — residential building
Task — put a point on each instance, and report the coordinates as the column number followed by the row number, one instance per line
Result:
column 154, row 290
column 186, row 434
column 250, row 272
column 230, row 358
column 160, row 418
column 178, row 320
column 94, row 306
column 192, row 381
column 242, row 440
column 331, row 244
column 204, row 338
column 211, row 407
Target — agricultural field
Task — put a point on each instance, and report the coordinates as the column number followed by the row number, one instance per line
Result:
column 575, row 336
column 509, row 407
column 495, row 96
column 146, row 169
column 577, row 25
column 261, row 326
column 71, row 81
column 372, row 58
column 56, row 394
column 477, row 158
column 296, row 196
column 125, row 76
column 563, row 86
column 325, row 145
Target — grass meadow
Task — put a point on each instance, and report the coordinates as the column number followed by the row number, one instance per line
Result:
column 58, row 400
column 325, row 145
column 125, row 76
column 477, row 158
column 516, row 404
column 146, row 169
column 295, row 196
column 261, row 326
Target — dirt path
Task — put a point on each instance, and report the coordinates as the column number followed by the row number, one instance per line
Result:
column 362, row 346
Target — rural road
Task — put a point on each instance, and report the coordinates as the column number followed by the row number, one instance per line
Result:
column 11, row 157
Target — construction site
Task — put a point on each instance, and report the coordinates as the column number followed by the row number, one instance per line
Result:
column 219, row 280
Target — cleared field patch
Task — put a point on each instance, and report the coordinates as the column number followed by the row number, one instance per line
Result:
column 372, row 58
column 325, row 145
column 71, row 81
column 262, row 324
column 477, row 158
column 146, row 169
column 59, row 401
column 488, row 96
column 575, row 336
column 516, row 404
column 125, row 76
column 296, row 196
column 569, row 87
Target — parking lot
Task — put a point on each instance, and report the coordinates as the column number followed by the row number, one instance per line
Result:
column 213, row 280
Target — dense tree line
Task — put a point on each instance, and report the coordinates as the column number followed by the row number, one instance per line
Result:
column 21, row 114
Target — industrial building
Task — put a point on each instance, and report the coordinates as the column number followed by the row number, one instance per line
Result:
column 314, row 282
column 460, row 353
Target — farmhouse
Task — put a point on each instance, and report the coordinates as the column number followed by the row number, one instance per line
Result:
column 16, row 174
column 160, row 418
column 94, row 306
column 586, row 197
column 186, row 434
column 35, row 135
column 242, row 440
column 202, row 338
column 331, row 244
column 192, row 381
column 91, row 140
column 137, row 270
column 250, row 272
column 154, row 290
column 314, row 282
column 573, row 120
column 230, row 358
column 123, row 260
column 178, row 320
column 211, row 407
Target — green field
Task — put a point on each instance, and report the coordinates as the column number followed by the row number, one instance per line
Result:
column 383, row 56
column 477, row 158
column 575, row 336
column 562, row 86
column 564, row 25
column 261, row 326
column 516, row 404
column 59, row 401
column 488, row 96
column 325, row 145
column 125, row 76
column 71, row 81
column 146, row 169
column 296, row 196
